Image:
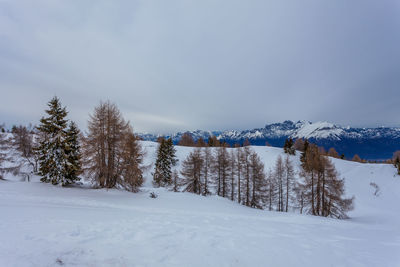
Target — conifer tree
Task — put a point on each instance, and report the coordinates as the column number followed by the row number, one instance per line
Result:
column 166, row 159
column 191, row 172
column 112, row 153
column 289, row 147
column 258, row 182
column 73, row 153
column 53, row 160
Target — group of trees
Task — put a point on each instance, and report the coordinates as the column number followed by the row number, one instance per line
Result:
column 238, row 174
column 320, row 191
column 109, row 154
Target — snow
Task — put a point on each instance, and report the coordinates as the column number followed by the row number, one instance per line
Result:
column 318, row 130
column 45, row 225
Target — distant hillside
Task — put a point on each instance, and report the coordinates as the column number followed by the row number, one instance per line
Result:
column 369, row 143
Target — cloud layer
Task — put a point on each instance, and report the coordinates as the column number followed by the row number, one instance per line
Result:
column 174, row 65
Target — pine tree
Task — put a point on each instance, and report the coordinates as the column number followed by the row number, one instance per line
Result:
column 166, row 159
column 73, row 153
column 289, row 147
column 53, row 160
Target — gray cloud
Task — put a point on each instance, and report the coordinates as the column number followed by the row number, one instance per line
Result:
column 174, row 65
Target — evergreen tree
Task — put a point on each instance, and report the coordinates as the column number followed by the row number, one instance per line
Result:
column 73, row 153
column 53, row 159
column 289, row 147
column 166, row 159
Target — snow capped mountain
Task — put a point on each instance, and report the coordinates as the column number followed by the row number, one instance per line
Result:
column 369, row 143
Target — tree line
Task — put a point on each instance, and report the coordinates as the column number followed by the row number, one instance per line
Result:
column 239, row 175
column 109, row 154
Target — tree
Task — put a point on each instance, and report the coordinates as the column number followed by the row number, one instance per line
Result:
column 258, row 182
column 222, row 170
column 357, row 158
column 289, row 175
column 396, row 160
column 333, row 153
column 303, row 155
column 132, row 154
column 279, row 175
column 111, row 150
column 271, row 190
column 299, row 144
column 233, row 167
column 73, row 153
column 247, row 174
column 186, row 140
column 321, row 189
column 166, row 159
column 246, row 142
column 289, row 147
column 191, row 172
column 52, row 149
column 207, row 167
column 22, row 144
column 176, row 181
column 200, row 142
column 213, row 141
column 3, row 155
column 239, row 167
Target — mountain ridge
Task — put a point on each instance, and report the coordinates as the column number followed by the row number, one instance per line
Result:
column 370, row 143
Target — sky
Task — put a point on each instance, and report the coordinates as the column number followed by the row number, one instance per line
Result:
column 211, row 64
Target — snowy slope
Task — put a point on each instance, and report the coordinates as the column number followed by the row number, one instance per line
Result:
column 43, row 225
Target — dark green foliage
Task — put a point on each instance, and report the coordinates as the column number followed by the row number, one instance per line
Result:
column 166, row 159
column 73, row 153
column 289, row 147
column 55, row 153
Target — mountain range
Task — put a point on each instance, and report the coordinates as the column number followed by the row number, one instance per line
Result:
column 369, row 143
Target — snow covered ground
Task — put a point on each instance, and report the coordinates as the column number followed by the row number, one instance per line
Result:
column 44, row 225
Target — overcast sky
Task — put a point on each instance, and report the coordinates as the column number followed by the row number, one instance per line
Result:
column 183, row 65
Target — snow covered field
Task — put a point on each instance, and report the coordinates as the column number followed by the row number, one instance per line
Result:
column 45, row 225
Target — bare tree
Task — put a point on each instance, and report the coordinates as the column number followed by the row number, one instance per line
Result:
column 239, row 166
column 321, row 189
column 191, row 171
column 289, row 174
column 207, row 167
column 222, row 170
column 258, row 182
column 186, row 140
column 21, row 152
column 109, row 149
column 279, row 175
column 233, row 168
column 130, row 166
